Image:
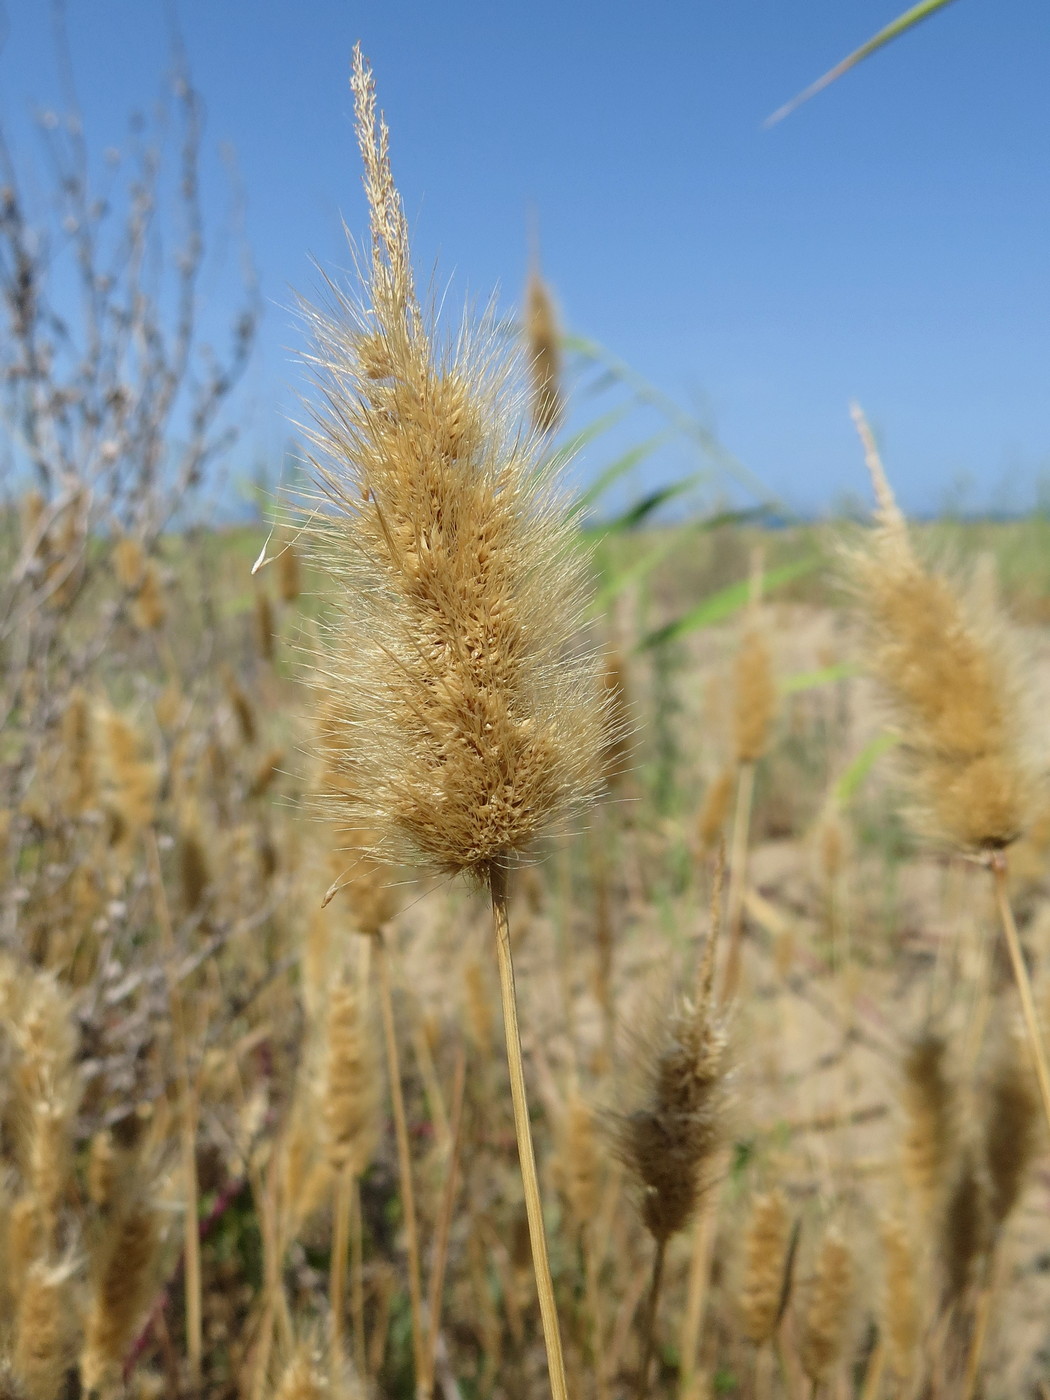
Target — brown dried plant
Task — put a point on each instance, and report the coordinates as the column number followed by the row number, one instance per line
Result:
column 949, row 668
column 544, row 350
column 766, row 1244
column 471, row 720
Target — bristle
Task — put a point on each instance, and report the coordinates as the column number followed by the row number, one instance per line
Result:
column 544, row 352
column 826, row 1313
column 1011, row 1128
column 754, row 698
column 44, row 1331
column 470, row 718
column 945, row 665
column 766, row 1245
column 900, row 1308
column 931, row 1131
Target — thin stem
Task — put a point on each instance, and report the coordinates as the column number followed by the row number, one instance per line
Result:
column 444, row 1225
column 738, row 877
column 404, row 1160
column 357, row 1279
column 533, row 1202
column 649, row 1321
column 188, row 1123
column 696, row 1296
column 344, row 1187
column 1024, row 984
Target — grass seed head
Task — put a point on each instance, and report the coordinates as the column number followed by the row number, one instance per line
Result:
column 946, row 665
column 1011, row 1127
column 471, row 720
column 544, row 351
column 45, row 1330
column 670, row 1142
column 901, row 1315
column 931, row 1132
column 766, row 1244
column 755, row 696
column 826, row 1314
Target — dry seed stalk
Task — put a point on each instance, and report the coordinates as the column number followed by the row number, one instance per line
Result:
column 467, row 719
column 946, row 664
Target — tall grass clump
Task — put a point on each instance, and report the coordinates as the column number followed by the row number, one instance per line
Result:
column 470, row 719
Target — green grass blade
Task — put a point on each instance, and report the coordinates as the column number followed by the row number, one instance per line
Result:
column 615, row 470
column 636, row 514
column 899, row 26
column 813, row 680
column 727, row 601
column 847, row 786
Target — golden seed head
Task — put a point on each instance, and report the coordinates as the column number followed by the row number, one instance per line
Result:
column 710, row 823
column 946, row 666
column 1012, row 1124
column 965, row 1226
column 766, row 1243
column 544, row 351
column 931, row 1132
column 469, row 718
column 826, row 1313
column 670, row 1142
column 755, row 697
column 351, row 1098
column 902, row 1319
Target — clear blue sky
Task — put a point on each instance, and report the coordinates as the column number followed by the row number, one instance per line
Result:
column 889, row 242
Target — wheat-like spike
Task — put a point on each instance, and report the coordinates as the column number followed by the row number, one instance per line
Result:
column 351, row 1099
column 965, row 1226
column 1011, row 1128
column 469, row 717
column 581, row 1165
column 45, row 1330
column 826, row 1314
column 900, row 1307
column 122, row 1277
column 931, row 1134
column 754, row 696
column 947, row 667
column 544, row 350
column 766, row 1243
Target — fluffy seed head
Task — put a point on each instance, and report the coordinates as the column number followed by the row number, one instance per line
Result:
column 44, row 1330
column 1011, row 1128
column 901, row 1316
column 755, row 697
column 544, row 351
column 765, row 1257
column 964, row 1227
column 351, row 1099
column 944, row 662
column 123, row 1278
column 827, row 1309
column 931, row 1133
column 669, row 1143
column 471, row 720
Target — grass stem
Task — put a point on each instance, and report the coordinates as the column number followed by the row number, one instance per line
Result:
column 404, row 1160
column 1024, row 983
column 533, row 1202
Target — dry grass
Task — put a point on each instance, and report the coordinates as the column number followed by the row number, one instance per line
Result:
column 193, row 1121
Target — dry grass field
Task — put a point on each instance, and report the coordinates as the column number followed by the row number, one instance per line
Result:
column 778, row 979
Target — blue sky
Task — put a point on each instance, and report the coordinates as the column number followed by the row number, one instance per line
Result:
column 890, row 241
